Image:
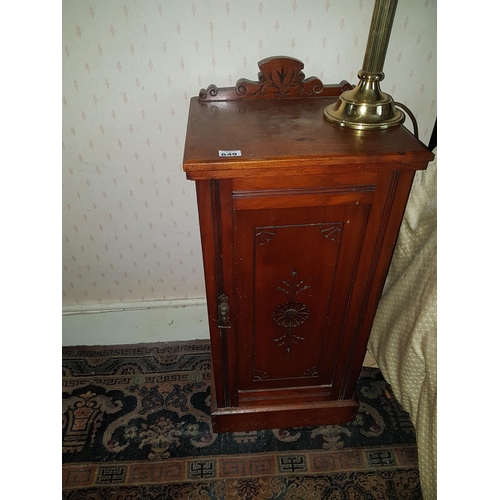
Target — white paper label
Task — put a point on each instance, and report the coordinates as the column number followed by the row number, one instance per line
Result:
column 234, row 152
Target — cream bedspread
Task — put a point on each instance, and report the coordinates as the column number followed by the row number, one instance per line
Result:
column 403, row 338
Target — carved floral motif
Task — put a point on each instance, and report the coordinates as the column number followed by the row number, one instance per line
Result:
column 264, row 234
column 292, row 313
column 280, row 78
column 260, row 375
column 332, row 231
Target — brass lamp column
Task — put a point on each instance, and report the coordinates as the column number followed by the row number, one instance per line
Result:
column 366, row 106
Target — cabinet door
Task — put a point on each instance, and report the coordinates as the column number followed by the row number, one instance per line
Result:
column 295, row 263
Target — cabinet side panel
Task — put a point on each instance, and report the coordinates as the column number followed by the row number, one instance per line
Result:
column 391, row 222
column 210, row 228
column 385, row 217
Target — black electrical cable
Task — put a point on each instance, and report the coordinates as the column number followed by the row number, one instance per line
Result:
column 412, row 117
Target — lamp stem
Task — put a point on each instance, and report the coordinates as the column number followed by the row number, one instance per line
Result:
column 378, row 37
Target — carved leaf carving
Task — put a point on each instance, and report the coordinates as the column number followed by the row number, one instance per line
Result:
column 280, row 77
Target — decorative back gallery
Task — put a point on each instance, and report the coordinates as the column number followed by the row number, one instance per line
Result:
column 280, row 77
column 130, row 227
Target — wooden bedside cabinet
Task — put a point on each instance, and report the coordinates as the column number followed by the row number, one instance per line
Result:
column 298, row 220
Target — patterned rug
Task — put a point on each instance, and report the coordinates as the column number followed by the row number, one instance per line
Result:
column 136, row 426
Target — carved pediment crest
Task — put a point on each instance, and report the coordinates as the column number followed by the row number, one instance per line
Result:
column 279, row 78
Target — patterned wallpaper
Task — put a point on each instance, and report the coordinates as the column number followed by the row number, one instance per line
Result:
column 130, row 226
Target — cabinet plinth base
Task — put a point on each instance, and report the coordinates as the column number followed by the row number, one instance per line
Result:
column 283, row 416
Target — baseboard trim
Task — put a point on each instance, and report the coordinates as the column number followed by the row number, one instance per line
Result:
column 141, row 322
column 132, row 306
column 135, row 322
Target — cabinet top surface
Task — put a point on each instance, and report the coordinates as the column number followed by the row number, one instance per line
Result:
column 278, row 133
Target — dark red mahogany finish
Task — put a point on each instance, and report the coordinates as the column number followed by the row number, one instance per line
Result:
column 297, row 235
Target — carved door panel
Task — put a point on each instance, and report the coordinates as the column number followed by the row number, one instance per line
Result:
column 293, row 267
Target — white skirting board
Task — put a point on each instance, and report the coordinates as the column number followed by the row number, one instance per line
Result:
column 135, row 322
column 138, row 322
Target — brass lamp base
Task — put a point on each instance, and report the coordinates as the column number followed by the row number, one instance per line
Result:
column 365, row 107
